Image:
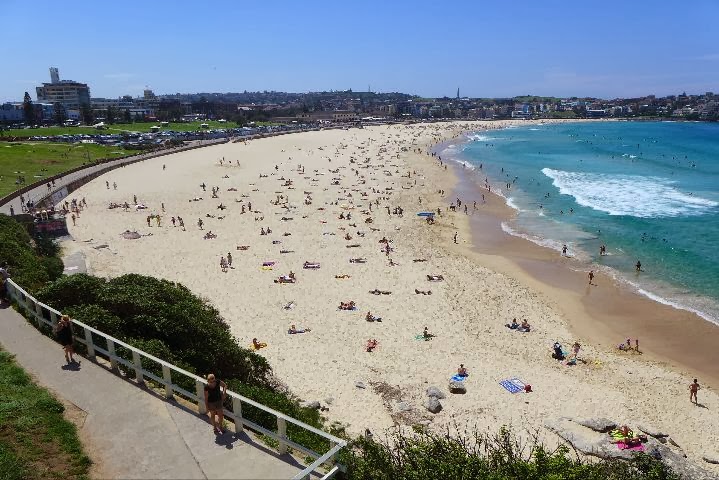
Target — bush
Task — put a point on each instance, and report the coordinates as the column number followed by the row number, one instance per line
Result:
column 31, row 264
column 458, row 455
column 165, row 317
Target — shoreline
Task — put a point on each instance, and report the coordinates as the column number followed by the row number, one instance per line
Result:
column 325, row 175
column 605, row 315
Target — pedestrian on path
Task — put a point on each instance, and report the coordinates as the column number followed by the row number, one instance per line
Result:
column 215, row 393
column 63, row 331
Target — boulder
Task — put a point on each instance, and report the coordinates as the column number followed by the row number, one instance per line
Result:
column 457, row 387
column 403, row 407
column 329, row 400
column 436, row 393
column 360, row 384
column 598, row 424
column 314, row 404
column 711, row 458
column 433, row 404
column 651, row 430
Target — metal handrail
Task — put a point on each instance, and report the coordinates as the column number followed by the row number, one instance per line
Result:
column 24, row 299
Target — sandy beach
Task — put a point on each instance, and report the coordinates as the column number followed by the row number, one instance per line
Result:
column 302, row 187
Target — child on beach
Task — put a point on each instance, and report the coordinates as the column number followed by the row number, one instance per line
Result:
column 693, row 389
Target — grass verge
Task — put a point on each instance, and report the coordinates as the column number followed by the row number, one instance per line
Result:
column 36, row 441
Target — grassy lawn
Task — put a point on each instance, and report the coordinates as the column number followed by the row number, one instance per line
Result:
column 35, row 440
column 39, row 160
column 115, row 128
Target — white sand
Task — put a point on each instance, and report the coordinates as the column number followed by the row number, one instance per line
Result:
column 467, row 311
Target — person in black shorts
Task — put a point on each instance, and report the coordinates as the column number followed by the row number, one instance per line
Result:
column 63, row 331
column 215, row 393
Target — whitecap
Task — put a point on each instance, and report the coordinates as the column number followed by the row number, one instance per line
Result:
column 631, row 195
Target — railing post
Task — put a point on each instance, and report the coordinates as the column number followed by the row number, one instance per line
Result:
column 112, row 355
column 282, row 433
column 167, row 376
column 200, row 391
column 137, row 360
column 88, row 343
column 53, row 319
column 38, row 314
column 237, row 412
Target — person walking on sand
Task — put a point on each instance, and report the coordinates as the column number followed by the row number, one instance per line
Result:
column 200, row 223
column 223, row 264
column 564, row 250
column 215, row 393
column 229, row 259
column 63, row 331
column 693, row 389
column 591, row 277
column 455, row 237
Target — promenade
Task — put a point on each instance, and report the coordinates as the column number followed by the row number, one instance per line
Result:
column 131, row 432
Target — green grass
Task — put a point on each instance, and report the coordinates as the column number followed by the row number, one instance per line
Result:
column 39, row 160
column 35, row 439
column 143, row 127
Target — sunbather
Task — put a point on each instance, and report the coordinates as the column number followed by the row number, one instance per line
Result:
column 347, row 305
column 514, row 325
column 311, row 265
column 371, row 344
column 462, row 371
column 557, row 352
column 358, row 260
column 294, row 330
column 435, row 278
column 257, row 345
column 423, row 292
column 426, row 335
column 371, row 318
column 524, row 327
column 344, row 275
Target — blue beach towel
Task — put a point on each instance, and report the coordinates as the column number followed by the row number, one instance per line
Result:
column 458, row 378
column 513, row 385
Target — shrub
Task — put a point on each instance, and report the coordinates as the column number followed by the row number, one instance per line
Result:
column 165, row 317
column 31, row 264
column 458, row 455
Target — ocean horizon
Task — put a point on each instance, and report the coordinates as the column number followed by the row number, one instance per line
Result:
column 649, row 191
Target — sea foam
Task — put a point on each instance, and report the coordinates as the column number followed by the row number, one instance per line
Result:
column 631, row 195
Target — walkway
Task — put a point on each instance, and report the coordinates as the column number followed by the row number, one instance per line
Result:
column 135, row 433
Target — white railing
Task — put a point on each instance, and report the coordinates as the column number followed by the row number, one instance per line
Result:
column 38, row 311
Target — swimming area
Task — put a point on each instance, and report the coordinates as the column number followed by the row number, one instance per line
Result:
column 649, row 191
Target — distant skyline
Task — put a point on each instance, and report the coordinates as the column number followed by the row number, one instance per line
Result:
column 603, row 49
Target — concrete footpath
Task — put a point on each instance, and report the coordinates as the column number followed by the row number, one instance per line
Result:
column 132, row 432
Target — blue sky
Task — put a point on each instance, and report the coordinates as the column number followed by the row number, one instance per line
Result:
column 486, row 48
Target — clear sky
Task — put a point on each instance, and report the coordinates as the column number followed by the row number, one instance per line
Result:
column 603, row 48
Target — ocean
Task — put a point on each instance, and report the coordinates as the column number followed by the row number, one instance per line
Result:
column 649, row 191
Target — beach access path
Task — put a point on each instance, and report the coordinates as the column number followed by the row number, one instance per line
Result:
column 128, row 430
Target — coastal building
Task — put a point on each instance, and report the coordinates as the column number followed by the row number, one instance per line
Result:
column 70, row 94
column 11, row 113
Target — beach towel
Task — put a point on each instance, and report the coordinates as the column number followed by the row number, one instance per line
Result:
column 268, row 264
column 419, row 337
column 634, row 448
column 266, row 267
column 457, row 378
column 513, row 385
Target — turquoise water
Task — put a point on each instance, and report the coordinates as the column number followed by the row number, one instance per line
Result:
column 649, row 191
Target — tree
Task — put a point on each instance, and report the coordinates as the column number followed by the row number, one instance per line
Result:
column 28, row 109
column 86, row 114
column 58, row 113
column 126, row 116
column 110, row 115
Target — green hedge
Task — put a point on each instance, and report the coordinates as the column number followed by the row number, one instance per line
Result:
column 460, row 455
column 32, row 262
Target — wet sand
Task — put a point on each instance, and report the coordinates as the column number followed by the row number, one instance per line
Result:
column 604, row 314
